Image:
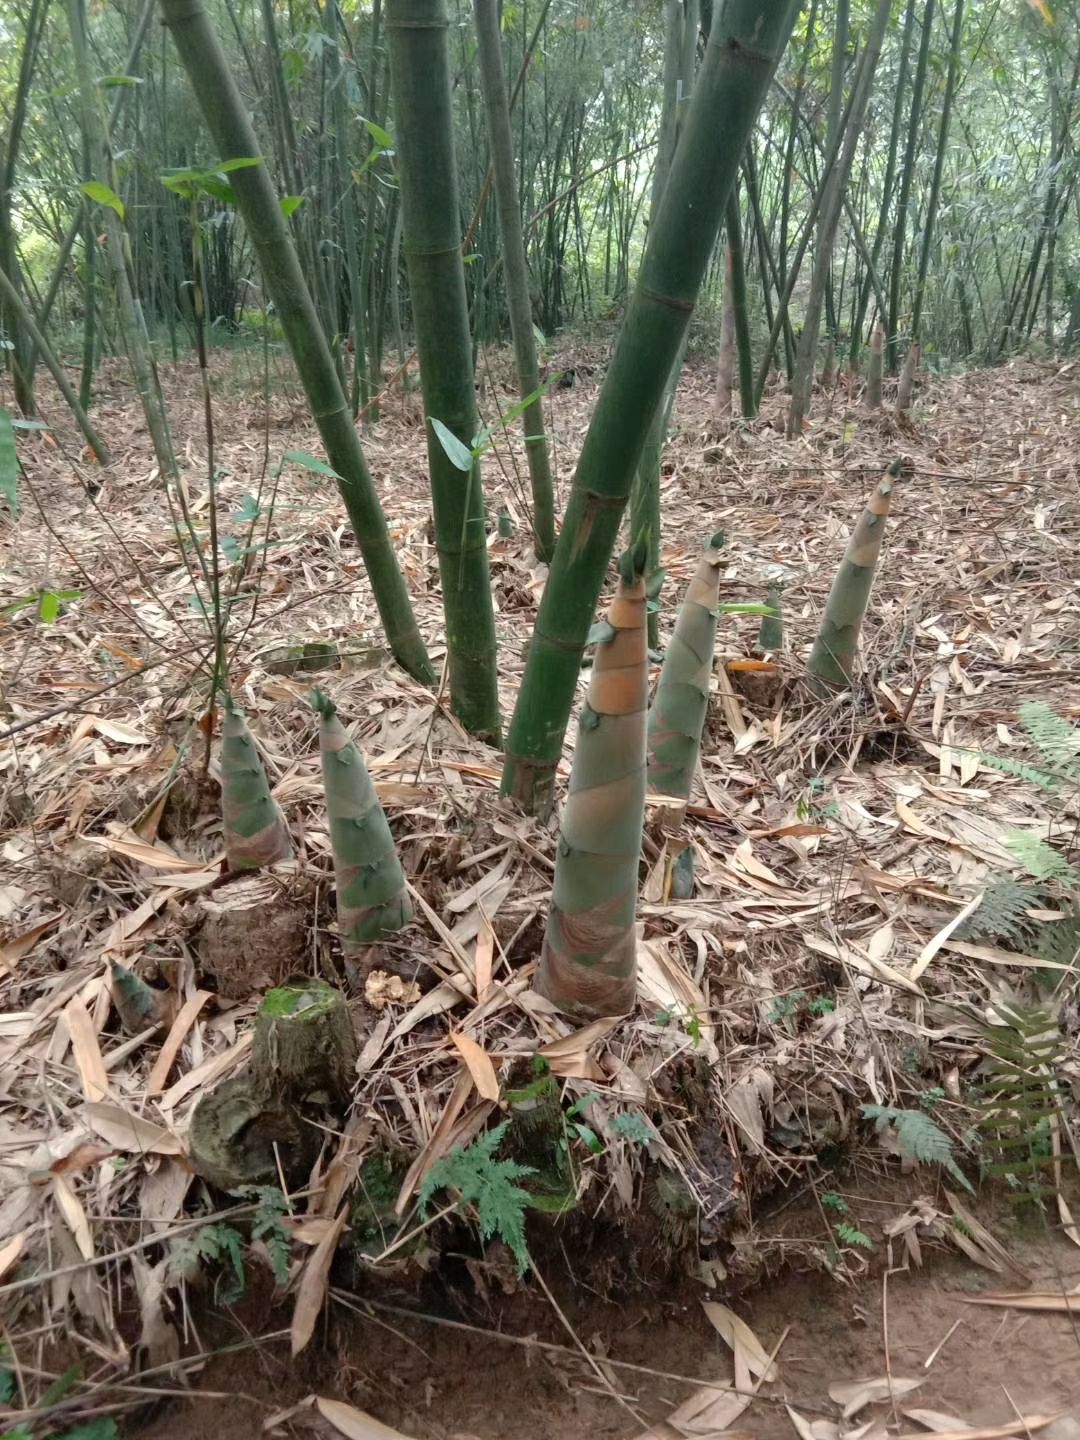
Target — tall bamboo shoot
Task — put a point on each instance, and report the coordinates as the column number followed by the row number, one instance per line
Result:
column 255, row 829
column 587, row 966
column 682, row 693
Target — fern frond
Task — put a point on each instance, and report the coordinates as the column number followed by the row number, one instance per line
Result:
column 852, row 1236
column 918, row 1138
column 1040, row 859
column 1053, row 737
column 487, row 1185
column 1020, row 1100
column 1042, row 779
column 1059, row 940
column 1002, row 914
column 268, row 1225
column 219, row 1243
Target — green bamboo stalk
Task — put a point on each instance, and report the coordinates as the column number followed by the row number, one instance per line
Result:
column 828, row 221
column 771, row 630
column 14, row 300
column 588, row 963
column 132, row 328
column 19, row 359
column 424, row 131
column 230, row 126
column 887, row 181
column 832, row 660
column 255, row 829
column 737, row 276
column 682, row 692
column 939, row 168
column 519, row 304
column 875, row 367
column 907, row 175
column 745, row 44
column 372, row 898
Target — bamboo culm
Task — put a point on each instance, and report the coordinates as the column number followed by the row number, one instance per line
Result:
column 519, row 304
column 431, row 239
column 744, row 47
column 230, row 126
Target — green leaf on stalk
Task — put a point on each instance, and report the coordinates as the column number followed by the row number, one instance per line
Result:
column 110, row 82
column 290, row 204
column 247, row 512
column 457, row 452
column 103, row 195
column 245, row 162
column 382, row 138
column 310, row 462
column 9, row 463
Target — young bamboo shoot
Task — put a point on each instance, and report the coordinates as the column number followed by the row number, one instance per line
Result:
column 907, row 378
column 371, row 896
column 832, row 660
column 587, row 966
column 255, row 829
column 682, row 693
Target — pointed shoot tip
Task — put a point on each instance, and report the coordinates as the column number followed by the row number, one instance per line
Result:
column 322, row 704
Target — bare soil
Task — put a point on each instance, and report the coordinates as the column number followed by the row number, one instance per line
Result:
column 478, row 1377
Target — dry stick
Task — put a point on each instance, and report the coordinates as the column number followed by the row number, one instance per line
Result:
column 531, row 1343
column 29, row 1282
column 589, row 1358
column 56, row 370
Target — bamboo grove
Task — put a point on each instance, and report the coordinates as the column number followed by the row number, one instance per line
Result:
column 957, row 215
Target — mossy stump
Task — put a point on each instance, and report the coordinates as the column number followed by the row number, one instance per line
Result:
column 304, row 1046
column 242, row 1130
column 255, row 1126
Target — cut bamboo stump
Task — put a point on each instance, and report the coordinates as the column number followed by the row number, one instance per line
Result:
column 254, row 934
column 242, row 1131
column 257, row 1126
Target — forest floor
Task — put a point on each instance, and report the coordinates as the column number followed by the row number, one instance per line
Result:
column 816, row 969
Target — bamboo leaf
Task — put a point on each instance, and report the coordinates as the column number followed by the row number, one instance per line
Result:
column 457, row 452
column 290, row 204
column 102, row 193
column 383, row 139
column 310, row 462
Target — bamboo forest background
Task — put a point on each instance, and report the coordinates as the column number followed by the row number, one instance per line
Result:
column 959, row 221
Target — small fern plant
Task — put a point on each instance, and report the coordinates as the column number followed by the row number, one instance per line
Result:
column 918, row 1138
column 1057, row 744
column 486, row 1185
column 223, row 1245
column 1020, row 1101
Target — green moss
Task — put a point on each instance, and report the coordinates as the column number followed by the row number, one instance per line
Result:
column 290, row 1000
